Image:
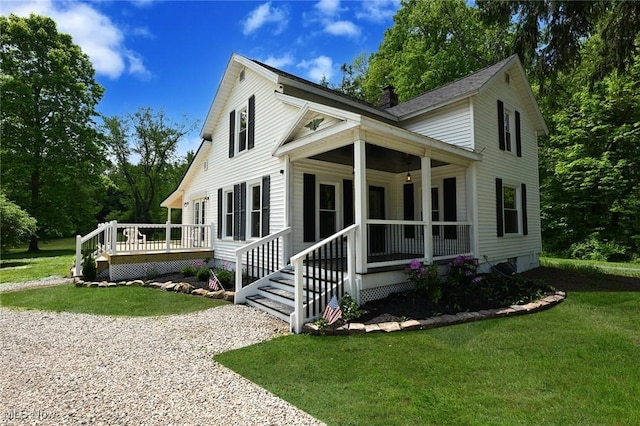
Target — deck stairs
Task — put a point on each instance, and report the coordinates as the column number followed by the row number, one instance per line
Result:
column 274, row 294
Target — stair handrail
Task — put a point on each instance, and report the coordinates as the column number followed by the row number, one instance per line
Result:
column 239, row 252
column 297, row 263
column 81, row 240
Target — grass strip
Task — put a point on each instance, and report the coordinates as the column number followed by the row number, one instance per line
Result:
column 573, row 364
column 117, row 301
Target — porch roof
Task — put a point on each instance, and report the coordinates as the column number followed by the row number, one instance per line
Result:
column 350, row 126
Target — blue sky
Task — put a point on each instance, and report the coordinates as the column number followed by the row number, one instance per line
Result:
column 170, row 55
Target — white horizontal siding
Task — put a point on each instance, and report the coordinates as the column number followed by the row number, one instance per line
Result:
column 451, row 124
column 507, row 166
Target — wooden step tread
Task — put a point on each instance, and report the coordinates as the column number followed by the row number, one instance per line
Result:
column 278, row 292
column 271, row 304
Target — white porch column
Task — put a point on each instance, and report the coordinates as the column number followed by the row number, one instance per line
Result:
column 360, row 200
column 425, row 164
column 287, row 250
column 472, row 206
column 169, row 214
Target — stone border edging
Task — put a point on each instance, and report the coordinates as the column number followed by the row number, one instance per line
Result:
column 179, row 287
column 439, row 321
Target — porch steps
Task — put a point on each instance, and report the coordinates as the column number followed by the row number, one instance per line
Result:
column 275, row 295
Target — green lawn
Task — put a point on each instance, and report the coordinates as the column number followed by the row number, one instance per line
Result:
column 55, row 258
column 127, row 301
column 574, row 364
column 623, row 269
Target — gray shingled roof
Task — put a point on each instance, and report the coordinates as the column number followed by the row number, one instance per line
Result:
column 455, row 90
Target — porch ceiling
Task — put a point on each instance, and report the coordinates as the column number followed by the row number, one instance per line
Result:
column 377, row 157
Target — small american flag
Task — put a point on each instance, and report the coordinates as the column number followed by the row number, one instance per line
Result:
column 332, row 312
column 214, row 282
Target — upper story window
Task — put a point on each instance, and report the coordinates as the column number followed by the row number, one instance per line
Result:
column 509, row 135
column 507, row 131
column 242, row 130
column 242, row 127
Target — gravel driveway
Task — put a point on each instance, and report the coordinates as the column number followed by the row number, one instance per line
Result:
column 62, row 368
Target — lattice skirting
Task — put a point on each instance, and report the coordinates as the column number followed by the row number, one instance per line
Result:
column 369, row 294
column 150, row 269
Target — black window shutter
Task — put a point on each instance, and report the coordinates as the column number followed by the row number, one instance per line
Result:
column 309, row 208
column 251, row 130
column 525, row 224
column 409, row 209
column 220, row 213
column 242, row 232
column 232, row 133
column 499, row 211
column 501, row 124
column 236, row 211
column 266, row 200
column 449, row 207
column 347, row 202
column 518, row 137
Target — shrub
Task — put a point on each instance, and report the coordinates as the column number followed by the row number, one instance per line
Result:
column 89, row 268
column 426, row 279
column 595, row 248
column 188, row 271
column 16, row 225
column 349, row 307
column 226, row 278
column 203, row 274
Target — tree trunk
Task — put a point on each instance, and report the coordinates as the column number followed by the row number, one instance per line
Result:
column 35, row 207
column 33, row 244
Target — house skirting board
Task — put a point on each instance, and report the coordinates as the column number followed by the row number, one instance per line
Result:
column 131, row 266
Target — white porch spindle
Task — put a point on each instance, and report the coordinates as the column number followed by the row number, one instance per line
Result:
column 78, row 269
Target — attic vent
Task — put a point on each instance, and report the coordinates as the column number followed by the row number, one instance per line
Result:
column 507, row 78
column 242, row 75
column 205, row 165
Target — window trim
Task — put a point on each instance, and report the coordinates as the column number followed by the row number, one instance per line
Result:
column 251, row 185
column 227, row 209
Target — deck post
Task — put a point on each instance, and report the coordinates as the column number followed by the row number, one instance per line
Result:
column 78, row 256
column 168, row 235
column 114, row 236
column 212, row 234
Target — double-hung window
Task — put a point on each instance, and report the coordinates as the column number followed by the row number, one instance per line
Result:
column 228, row 215
column 328, row 210
column 511, row 209
column 509, row 128
column 242, row 127
column 507, row 131
column 256, row 212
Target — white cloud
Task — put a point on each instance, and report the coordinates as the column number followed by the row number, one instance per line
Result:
column 378, row 10
column 328, row 7
column 340, row 28
column 265, row 14
column 317, row 68
column 94, row 32
column 279, row 62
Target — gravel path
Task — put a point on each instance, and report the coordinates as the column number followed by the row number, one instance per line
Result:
column 62, row 368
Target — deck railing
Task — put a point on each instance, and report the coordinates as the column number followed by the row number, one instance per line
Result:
column 114, row 238
column 321, row 271
column 260, row 258
column 395, row 242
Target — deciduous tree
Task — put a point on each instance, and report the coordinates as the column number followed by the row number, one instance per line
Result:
column 51, row 150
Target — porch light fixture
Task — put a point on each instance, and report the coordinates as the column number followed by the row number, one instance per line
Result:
column 186, row 203
column 408, row 177
column 408, row 165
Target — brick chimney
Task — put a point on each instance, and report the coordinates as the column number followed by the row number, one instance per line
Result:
column 388, row 98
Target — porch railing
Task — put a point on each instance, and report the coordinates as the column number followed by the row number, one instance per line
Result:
column 113, row 238
column 321, row 271
column 392, row 242
column 260, row 258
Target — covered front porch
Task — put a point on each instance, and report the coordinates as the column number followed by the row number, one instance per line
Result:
column 411, row 196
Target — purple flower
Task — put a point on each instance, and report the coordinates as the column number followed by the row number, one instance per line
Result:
column 477, row 279
column 415, row 264
column 468, row 273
